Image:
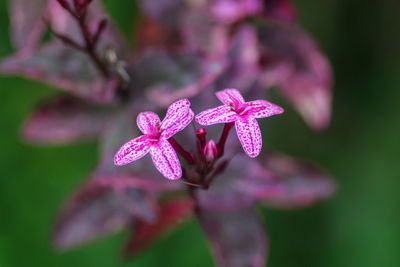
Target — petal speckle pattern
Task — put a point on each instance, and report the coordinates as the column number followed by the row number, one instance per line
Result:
column 244, row 114
column 155, row 139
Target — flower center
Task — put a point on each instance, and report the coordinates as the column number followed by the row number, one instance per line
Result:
column 240, row 110
column 232, row 106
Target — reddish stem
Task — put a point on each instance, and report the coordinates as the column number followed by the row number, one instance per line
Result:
column 100, row 29
column 90, row 41
column 224, row 137
column 189, row 158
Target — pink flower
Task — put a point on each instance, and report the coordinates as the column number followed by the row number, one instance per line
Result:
column 155, row 139
column 244, row 115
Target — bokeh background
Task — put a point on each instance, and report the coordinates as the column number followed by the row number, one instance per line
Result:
column 361, row 149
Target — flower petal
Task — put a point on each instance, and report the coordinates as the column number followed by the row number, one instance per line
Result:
column 230, row 96
column 148, row 122
column 166, row 160
column 263, row 109
column 249, row 134
column 176, row 112
column 179, row 125
column 132, row 150
column 221, row 114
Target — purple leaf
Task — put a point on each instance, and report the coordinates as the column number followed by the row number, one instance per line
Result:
column 62, row 67
column 166, row 11
column 231, row 11
column 63, row 120
column 171, row 214
column 282, row 10
column 240, row 186
column 242, row 56
column 171, row 76
column 237, row 239
column 200, row 32
column 99, row 209
column 62, row 22
column 301, row 184
column 27, row 24
column 293, row 61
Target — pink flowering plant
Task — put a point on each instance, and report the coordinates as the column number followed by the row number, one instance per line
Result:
column 187, row 54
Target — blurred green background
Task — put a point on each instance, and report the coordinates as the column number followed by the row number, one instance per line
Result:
column 359, row 227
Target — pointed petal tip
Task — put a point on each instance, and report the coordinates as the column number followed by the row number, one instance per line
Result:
column 230, row 96
column 253, row 154
column 118, row 162
column 279, row 110
column 174, row 177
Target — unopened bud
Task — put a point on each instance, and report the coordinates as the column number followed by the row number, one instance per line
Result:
column 210, row 151
column 201, row 135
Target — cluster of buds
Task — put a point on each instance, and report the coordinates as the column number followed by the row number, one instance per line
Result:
column 158, row 138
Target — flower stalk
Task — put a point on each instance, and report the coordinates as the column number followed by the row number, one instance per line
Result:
column 79, row 13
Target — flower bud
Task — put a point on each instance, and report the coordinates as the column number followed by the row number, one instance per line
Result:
column 201, row 135
column 210, row 151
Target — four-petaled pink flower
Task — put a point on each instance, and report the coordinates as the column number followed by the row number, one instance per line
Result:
column 244, row 115
column 155, row 139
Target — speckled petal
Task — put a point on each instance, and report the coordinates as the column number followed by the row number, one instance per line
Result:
column 132, row 150
column 249, row 135
column 221, row 114
column 263, row 109
column 179, row 125
column 148, row 122
column 230, row 96
column 176, row 112
column 166, row 160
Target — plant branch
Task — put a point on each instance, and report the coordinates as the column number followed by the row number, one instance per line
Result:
column 79, row 13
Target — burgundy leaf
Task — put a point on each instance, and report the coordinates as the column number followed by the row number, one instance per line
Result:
column 293, row 61
column 237, row 239
column 171, row 214
column 282, row 10
column 301, row 184
column 27, row 24
column 98, row 209
column 63, row 120
column 62, row 67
